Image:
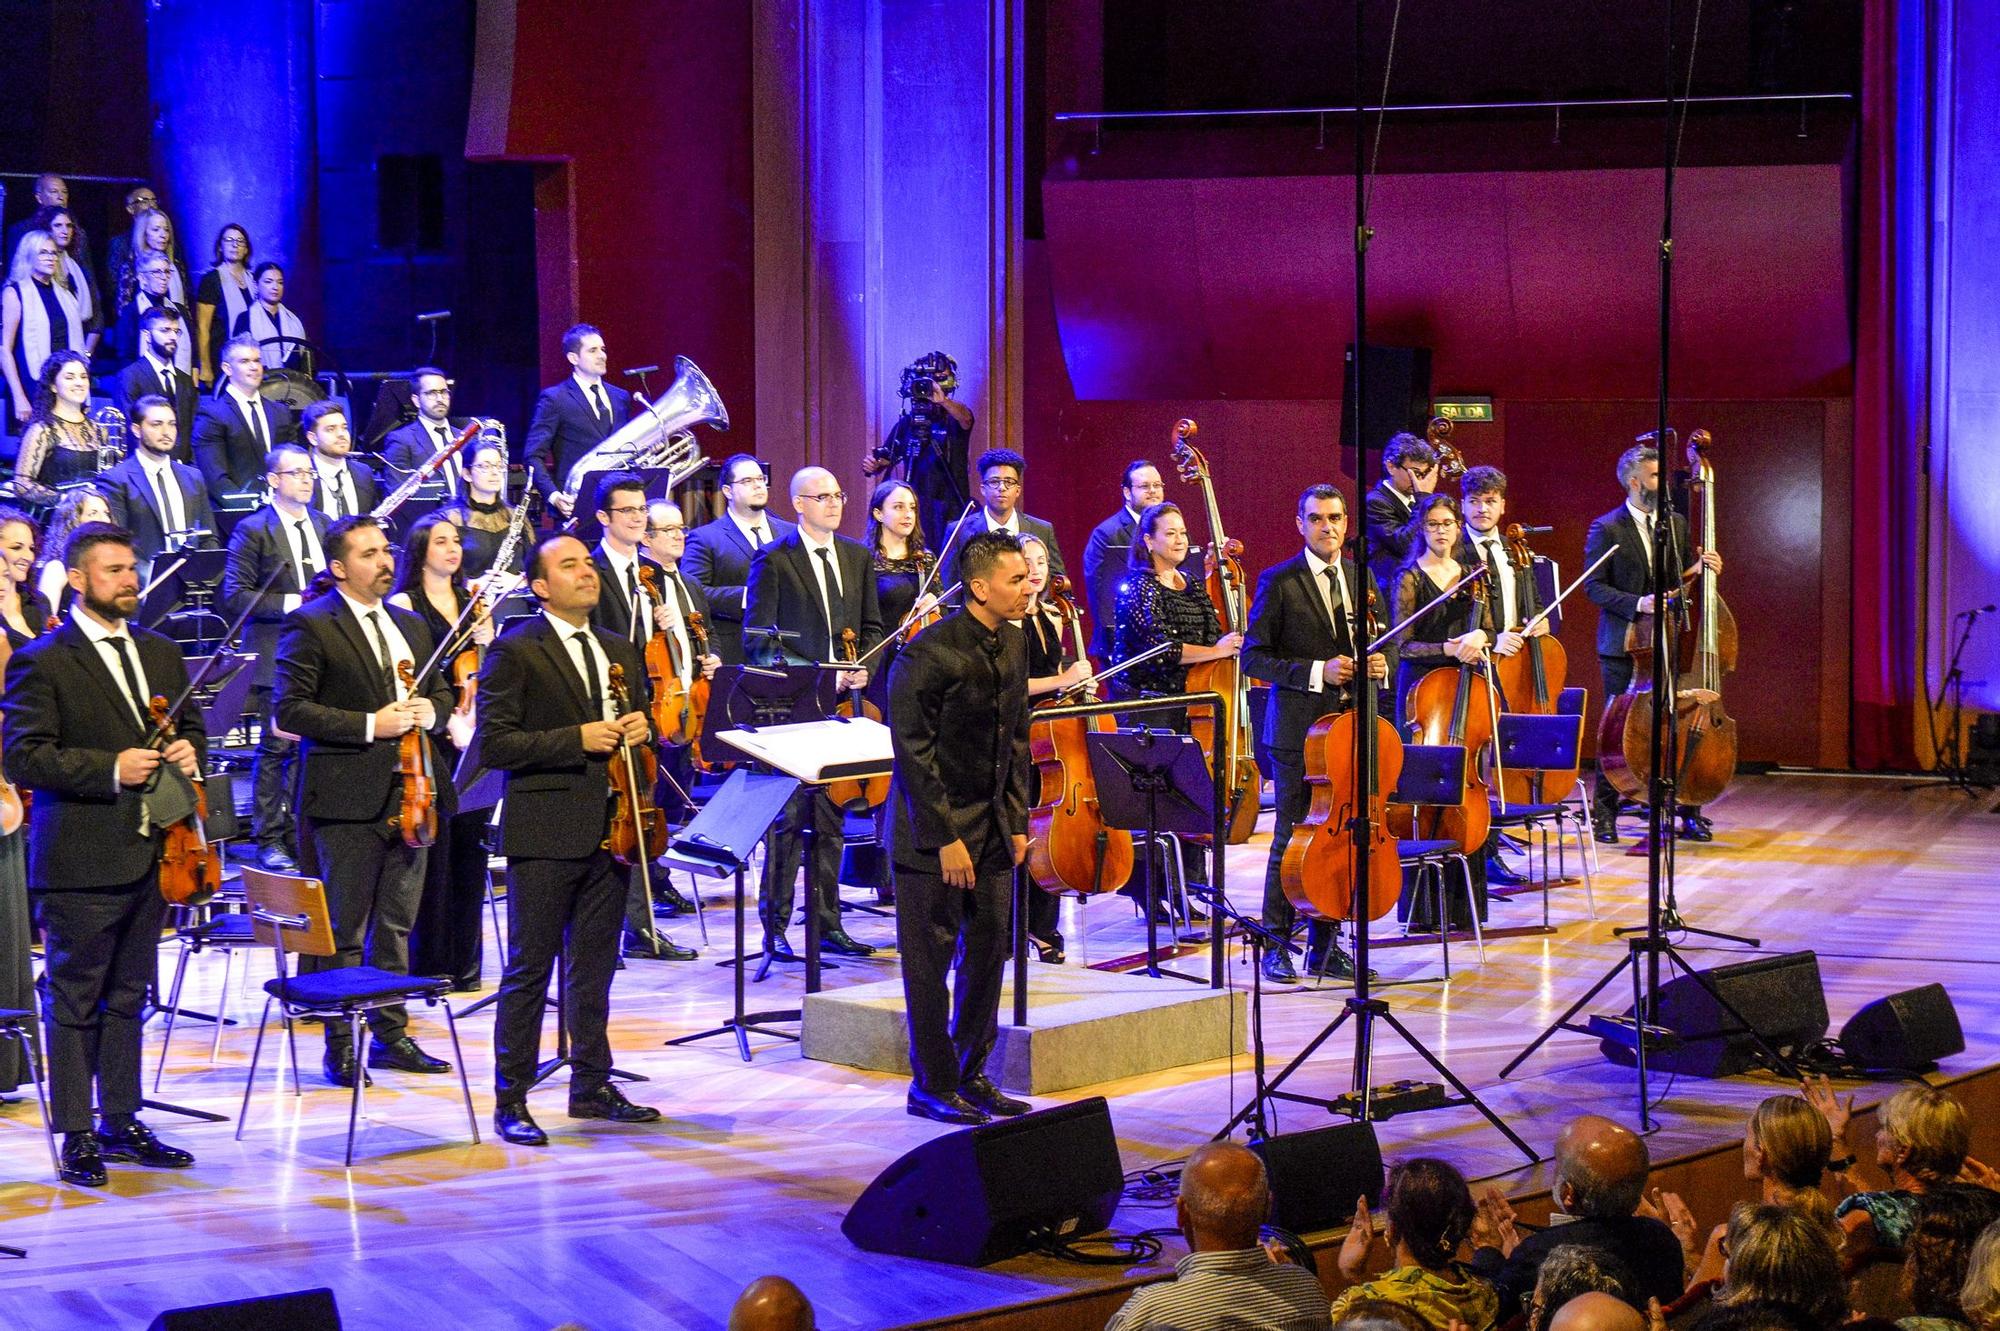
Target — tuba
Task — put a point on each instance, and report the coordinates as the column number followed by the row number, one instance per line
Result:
column 111, row 423
column 663, row 435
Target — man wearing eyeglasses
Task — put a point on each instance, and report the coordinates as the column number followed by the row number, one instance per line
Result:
column 1409, row 466
column 1001, row 472
column 410, row 446
column 1110, row 546
column 718, row 552
column 805, row 589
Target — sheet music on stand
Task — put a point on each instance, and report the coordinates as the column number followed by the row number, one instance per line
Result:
column 818, row 752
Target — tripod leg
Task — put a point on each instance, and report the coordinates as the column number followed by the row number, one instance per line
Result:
column 1641, row 1013
column 1256, row 1105
column 1568, row 1016
column 1465, row 1092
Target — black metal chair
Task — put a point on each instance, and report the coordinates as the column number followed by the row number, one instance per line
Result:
column 1433, row 775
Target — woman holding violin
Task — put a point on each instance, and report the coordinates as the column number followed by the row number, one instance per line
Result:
column 1051, row 670
column 448, row 937
column 902, row 563
column 1458, row 629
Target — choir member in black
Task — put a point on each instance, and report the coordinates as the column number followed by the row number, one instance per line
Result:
column 271, row 322
column 929, row 441
column 408, row 447
column 152, row 495
column 152, row 233
column 156, row 371
column 1409, row 466
column 51, row 191
column 448, row 934
column 38, row 318
column 809, row 586
column 79, row 504
column 959, row 720
column 1622, row 591
column 338, row 690
column 73, row 273
column 1002, row 472
column 1157, row 603
column 23, row 615
column 1308, row 622
column 76, row 710
column 223, row 296
column 573, row 417
column 1051, row 669
column 139, row 199
column 902, row 562
column 484, row 515
column 1109, row 549
column 546, row 720
column 718, row 552
column 126, row 332
column 62, row 444
column 346, row 488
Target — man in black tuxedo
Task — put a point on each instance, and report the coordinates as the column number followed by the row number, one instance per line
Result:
column 345, row 487
column 1622, row 590
column 410, row 446
column 958, row 707
column 1410, row 469
column 1109, row 549
column 809, row 587
column 1001, row 472
column 718, row 552
column 155, row 373
column 282, row 543
column 235, row 429
column 573, row 417
column 77, row 725
column 546, row 719
column 340, row 690
column 1308, row 621
column 150, row 493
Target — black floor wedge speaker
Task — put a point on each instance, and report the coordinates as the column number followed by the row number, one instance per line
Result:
column 1316, row 1175
column 1781, row 996
column 983, row 1194
column 301, row 1310
column 1906, row 1032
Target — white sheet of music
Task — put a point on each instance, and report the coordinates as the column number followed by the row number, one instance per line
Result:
column 819, row 751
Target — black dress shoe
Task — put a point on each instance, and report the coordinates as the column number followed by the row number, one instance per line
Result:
column 667, row 900
column 514, row 1124
column 951, row 1108
column 658, row 948
column 402, row 1055
column 607, row 1101
column 1048, row 951
column 778, row 949
column 981, row 1093
column 1695, row 828
column 1337, row 964
column 1278, row 967
column 83, row 1161
column 133, row 1141
column 277, row 860
column 1606, row 834
column 1499, row 875
column 339, row 1066
column 841, row 944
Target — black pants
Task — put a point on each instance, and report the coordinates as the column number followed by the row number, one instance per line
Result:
column 781, row 863
column 271, row 780
column 449, row 935
column 570, row 908
column 102, row 952
column 373, row 884
column 939, row 926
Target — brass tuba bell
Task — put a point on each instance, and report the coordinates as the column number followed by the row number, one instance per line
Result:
column 662, row 435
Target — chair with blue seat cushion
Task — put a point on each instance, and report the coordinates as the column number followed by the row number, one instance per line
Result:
column 1530, row 743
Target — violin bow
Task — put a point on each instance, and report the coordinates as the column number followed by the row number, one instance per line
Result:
column 1426, row 608
column 1092, row 681
column 904, row 627
column 1543, row 613
column 222, row 649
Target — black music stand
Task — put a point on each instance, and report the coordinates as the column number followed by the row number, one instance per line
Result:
column 1142, row 777
column 718, row 844
column 194, row 581
column 228, row 690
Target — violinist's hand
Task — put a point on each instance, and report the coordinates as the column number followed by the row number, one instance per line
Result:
column 1508, row 643
column 852, row 679
column 1646, row 604
column 136, row 765
column 482, row 632
column 459, row 726
column 925, row 604
column 1378, row 668
column 182, row 755
column 423, row 713
column 1338, row 671
column 955, row 862
column 600, row 737
column 709, row 665
column 395, row 720
column 634, row 728
column 1539, row 630
column 662, row 617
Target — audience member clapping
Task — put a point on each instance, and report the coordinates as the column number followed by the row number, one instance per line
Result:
column 1429, row 1211
column 1921, row 1143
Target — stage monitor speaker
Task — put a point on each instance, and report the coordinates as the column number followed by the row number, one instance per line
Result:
column 1782, row 996
column 1399, row 396
column 986, row 1193
column 301, row 1310
column 1907, row 1032
column 1316, row 1175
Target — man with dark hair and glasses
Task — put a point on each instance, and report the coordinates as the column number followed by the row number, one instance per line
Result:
column 1002, row 473
column 718, row 552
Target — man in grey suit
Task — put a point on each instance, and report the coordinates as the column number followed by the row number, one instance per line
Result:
column 1001, row 471
column 718, row 552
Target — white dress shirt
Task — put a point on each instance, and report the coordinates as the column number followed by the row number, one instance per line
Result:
column 1334, row 598
column 293, row 530
column 336, row 480
column 253, row 407
column 1510, row 604
column 567, row 633
column 624, row 572
column 161, row 481
column 1644, row 521
column 758, row 534
column 399, row 646
column 826, row 572
column 101, row 638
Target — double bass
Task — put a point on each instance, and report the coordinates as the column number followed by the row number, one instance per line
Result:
column 1225, row 740
column 1453, row 705
column 1531, row 681
column 1450, row 462
column 1069, row 847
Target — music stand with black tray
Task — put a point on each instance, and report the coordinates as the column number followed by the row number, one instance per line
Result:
column 1149, row 782
column 190, row 577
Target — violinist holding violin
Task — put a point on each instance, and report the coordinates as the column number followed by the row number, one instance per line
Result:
column 1305, row 630
column 902, row 563
column 338, row 688
column 666, row 542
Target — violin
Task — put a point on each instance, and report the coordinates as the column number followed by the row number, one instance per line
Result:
column 697, row 695
column 465, row 679
column 1228, row 590
column 190, row 868
column 418, row 815
column 636, row 826
column 1317, row 869
column 663, row 670
column 1451, row 462
column 866, row 792
column 1069, row 847
column 1705, row 636
column 1453, row 705
column 1531, row 680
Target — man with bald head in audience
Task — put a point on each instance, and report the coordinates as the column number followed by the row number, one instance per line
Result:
column 1227, row 1280
column 1601, row 1170
column 772, row 1303
column 1597, row 1312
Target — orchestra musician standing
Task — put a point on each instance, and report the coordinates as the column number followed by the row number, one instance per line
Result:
column 1002, row 473
column 153, row 495
column 573, row 417
column 408, row 447
column 666, row 543
column 484, row 515
column 1051, row 669
column 1452, row 630
column 1409, row 471
column 235, row 429
column 1158, row 603
column 346, row 488
column 155, row 371
column 719, row 552
column 1109, row 549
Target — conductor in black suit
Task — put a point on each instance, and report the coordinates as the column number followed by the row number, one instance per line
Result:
column 154, row 373
column 410, row 446
column 810, row 586
column 339, row 689
column 718, row 552
column 1308, row 623
column 546, row 719
column 235, row 429
column 1409, row 466
column 344, row 486
column 1109, row 549
column 573, row 417
column 958, row 707
column 1622, row 590
column 150, row 494
column 77, row 724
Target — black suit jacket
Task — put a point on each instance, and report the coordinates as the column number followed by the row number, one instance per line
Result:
column 129, row 493
column 366, row 491
column 329, row 680
column 1625, row 577
column 1646, row 1245
column 1389, row 538
column 1526, row 599
column 975, row 523
column 410, row 446
column 531, row 707
column 1104, row 557
column 66, row 721
column 259, row 544
column 718, row 560
column 613, row 612
column 1288, row 632
column 958, row 709
column 224, row 448
column 140, row 378
column 564, row 428
column 784, row 594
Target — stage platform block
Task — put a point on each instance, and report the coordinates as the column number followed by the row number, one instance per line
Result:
column 1085, row 1027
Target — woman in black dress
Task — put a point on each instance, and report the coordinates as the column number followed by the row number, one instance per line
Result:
column 1157, row 603
column 482, row 519
column 902, row 563
column 1050, row 670
column 23, row 614
column 448, row 936
column 223, row 295
column 38, row 318
column 78, row 505
column 61, row 445
column 1458, row 629
column 73, row 274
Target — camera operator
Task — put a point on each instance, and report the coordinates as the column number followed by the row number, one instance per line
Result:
column 929, row 443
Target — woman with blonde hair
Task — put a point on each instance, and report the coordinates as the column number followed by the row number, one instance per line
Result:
column 1979, row 1297
column 1779, row 1254
column 1922, row 1138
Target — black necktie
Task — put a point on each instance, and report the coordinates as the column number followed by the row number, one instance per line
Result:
column 1342, row 644
column 757, row 538
column 382, row 653
column 306, row 569
column 131, row 679
column 167, row 381
column 582, row 640
column 340, row 506
column 167, row 522
column 450, row 467
column 602, row 406
column 1501, row 610
column 639, row 626
column 257, row 428
column 827, row 591
column 680, row 591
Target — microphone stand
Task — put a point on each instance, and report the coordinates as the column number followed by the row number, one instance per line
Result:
column 1957, row 776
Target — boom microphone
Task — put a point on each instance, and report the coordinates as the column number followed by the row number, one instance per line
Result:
column 637, row 370
column 435, row 316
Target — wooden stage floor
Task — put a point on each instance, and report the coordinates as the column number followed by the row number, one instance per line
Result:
column 754, row 1165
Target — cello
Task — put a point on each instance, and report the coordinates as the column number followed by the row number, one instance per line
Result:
column 1454, row 705
column 1069, row 847
column 663, row 670
column 1228, row 589
column 1531, row 680
column 862, row 792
